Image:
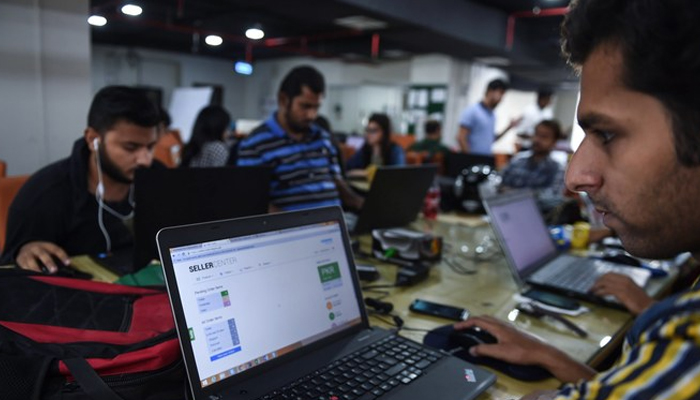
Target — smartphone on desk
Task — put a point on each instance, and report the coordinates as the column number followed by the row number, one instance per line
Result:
column 439, row 310
column 552, row 299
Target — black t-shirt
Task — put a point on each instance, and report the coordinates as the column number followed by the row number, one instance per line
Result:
column 54, row 205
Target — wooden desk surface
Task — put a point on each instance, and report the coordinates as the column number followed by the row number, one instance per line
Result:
column 489, row 290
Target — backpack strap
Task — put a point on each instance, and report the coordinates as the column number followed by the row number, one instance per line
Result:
column 89, row 381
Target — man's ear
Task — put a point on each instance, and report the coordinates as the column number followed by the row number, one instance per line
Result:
column 282, row 100
column 90, row 135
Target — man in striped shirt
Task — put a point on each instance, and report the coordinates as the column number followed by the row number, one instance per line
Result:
column 306, row 170
column 640, row 165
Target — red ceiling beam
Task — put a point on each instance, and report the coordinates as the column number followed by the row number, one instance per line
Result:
column 538, row 13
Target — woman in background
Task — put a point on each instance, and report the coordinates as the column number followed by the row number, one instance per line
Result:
column 206, row 147
column 378, row 149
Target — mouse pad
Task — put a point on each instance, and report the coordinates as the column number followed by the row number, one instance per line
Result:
column 439, row 338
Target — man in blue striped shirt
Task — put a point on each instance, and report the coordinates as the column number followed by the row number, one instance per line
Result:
column 306, row 170
column 640, row 165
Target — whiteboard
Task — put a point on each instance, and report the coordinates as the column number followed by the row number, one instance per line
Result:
column 185, row 105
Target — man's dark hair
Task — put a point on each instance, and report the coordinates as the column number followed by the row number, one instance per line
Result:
column 659, row 42
column 497, row 84
column 302, row 76
column 165, row 117
column 553, row 125
column 543, row 94
column 432, row 127
column 112, row 104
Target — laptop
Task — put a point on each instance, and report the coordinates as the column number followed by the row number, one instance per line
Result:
column 394, row 199
column 271, row 306
column 455, row 163
column 534, row 259
column 167, row 197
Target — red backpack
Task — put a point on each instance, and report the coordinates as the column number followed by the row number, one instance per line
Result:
column 63, row 338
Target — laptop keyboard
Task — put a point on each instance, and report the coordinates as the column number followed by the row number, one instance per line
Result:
column 364, row 375
column 572, row 273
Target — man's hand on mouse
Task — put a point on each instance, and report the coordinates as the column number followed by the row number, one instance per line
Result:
column 33, row 255
column 634, row 298
column 513, row 346
column 516, row 347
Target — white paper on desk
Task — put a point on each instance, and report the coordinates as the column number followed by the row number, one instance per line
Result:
column 580, row 310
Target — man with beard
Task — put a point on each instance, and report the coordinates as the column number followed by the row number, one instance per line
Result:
column 640, row 165
column 84, row 204
column 306, row 170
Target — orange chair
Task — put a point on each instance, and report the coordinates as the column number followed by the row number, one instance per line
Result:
column 9, row 186
column 414, row 158
column 168, row 148
column 405, row 141
column 348, row 151
column 3, row 168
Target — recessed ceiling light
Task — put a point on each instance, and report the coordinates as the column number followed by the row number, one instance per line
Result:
column 494, row 60
column 254, row 33
column 97, row 20
column 213, row 40
column 360, row 22
column 132, row 9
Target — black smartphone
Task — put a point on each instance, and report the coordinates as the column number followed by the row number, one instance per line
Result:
column 439, row 310
column 552, row 299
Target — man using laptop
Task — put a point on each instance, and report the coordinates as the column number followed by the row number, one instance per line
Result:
column 84, row 203
column 640, row 164
column 306, row 172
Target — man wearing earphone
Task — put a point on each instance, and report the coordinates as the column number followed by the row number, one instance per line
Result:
column 84, row 204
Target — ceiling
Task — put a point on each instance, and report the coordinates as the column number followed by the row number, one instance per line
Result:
column 465, row 29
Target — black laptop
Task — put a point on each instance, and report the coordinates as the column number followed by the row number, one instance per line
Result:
column 270, row 307
column 395, row 197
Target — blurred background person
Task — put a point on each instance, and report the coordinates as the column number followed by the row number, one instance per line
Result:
column 207, row 146
column 432, row 143
column 378, row 149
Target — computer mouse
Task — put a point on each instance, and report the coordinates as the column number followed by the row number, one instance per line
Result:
column 466, row 338
column 621, row 258
column 459, row 342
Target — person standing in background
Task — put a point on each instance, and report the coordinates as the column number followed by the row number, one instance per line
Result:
column 477, row 125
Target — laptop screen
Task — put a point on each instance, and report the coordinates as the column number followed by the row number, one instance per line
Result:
column 235, row 323
column 522, row 231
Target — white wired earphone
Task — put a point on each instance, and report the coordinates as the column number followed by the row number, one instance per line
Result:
column 99, row 196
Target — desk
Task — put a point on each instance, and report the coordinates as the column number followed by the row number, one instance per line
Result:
column 489, row 291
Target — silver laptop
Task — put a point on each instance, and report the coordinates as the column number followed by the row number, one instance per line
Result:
column 533, row 257
column 271, row 306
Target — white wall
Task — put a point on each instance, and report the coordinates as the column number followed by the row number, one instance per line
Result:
column 44, row 80
column 122, row 66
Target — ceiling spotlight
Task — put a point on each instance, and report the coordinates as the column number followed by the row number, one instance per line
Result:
column 213, row 40
column 132, row 9
column 255, row 33
column 97, row 20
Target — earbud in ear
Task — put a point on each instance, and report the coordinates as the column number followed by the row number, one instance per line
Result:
column 100, row 189
column 96, row 144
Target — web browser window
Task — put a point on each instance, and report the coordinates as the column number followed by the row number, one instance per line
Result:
column 251, row 299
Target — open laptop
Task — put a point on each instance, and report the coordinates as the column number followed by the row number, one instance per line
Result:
column 271, row 306
column 533, row 257
column 455, row 163
column 167, row 197
column 394, row 199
